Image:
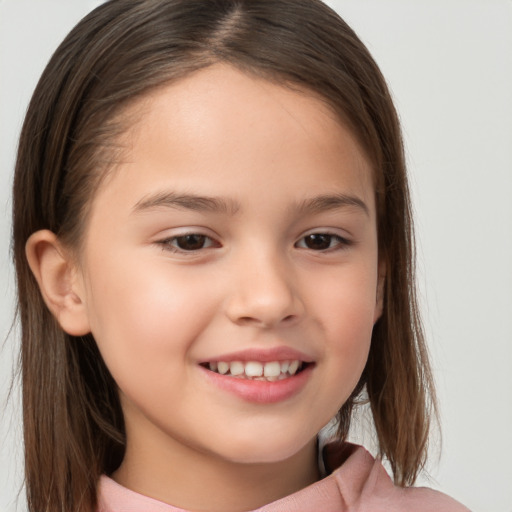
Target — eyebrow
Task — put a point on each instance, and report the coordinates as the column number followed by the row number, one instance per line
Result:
column 186, row 202
column 332, row 202
column 208, row 204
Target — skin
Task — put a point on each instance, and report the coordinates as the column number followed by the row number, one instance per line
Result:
column 157, row 311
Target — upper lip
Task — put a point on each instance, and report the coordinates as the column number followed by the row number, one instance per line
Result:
column 262, row 355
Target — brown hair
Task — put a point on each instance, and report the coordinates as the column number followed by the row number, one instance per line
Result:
column 73, row 423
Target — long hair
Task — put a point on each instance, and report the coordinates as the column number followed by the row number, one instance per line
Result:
column 73, row 422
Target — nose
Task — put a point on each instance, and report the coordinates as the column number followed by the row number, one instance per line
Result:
column 264, row 293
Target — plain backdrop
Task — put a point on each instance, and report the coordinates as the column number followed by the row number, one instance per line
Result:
column 449, row 66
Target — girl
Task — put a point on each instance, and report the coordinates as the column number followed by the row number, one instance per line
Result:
column 213, row 245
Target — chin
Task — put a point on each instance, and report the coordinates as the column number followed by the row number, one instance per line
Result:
column 263, row 449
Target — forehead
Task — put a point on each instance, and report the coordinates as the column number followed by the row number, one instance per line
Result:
column 220, row 119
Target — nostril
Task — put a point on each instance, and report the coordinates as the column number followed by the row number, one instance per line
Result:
column 261, row 310
column 262, row 322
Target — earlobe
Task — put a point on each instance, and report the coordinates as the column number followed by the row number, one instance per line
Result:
column 381, row 284
column 58, row 281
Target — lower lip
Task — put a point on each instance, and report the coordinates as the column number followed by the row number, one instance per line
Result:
column 258, row 391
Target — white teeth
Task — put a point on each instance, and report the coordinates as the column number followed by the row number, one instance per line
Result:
column 294, row 366
column 253, row 369
column 272, row 369
column 236, row 368
column 222, row 367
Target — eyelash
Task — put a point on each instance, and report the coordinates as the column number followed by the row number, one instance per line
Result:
column 167, row 244
column 341, row 243
column 171, row 244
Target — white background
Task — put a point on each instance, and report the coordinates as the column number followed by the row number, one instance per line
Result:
column 449, row 65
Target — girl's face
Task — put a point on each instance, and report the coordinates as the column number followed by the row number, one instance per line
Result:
column 237, row 235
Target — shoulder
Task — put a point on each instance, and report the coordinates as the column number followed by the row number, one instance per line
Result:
column 359, row 483
column 367, row 486
column 113, row 497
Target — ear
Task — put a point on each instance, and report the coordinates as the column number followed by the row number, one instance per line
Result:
column 381, row 283
column 59, row 281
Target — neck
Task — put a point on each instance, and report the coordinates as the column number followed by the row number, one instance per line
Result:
column 194, row 480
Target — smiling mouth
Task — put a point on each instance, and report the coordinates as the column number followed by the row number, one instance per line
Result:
column 254, row 370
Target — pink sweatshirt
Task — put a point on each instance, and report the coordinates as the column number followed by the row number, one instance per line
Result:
column 360, row 484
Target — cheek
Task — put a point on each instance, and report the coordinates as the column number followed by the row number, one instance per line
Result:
column 347, row 302
column 346, row 313
column 145, row 317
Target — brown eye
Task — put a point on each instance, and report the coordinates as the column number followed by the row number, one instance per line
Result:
column 318, row 241
column 188, row 243
column 192, row 242
column 322, row 242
